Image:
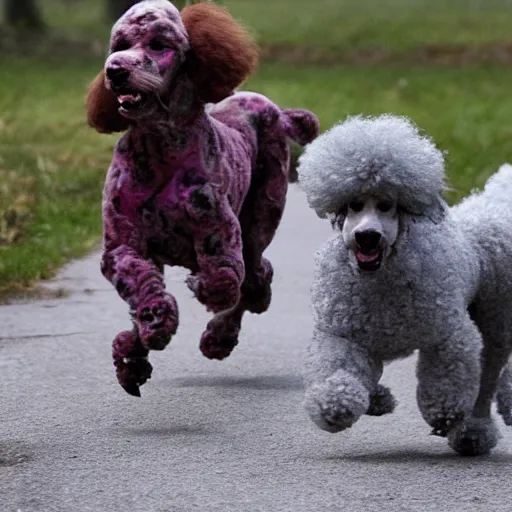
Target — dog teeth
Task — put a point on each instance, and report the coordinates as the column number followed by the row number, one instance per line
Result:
column 128, row 98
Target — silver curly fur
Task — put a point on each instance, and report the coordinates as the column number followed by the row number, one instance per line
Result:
column 446, row 290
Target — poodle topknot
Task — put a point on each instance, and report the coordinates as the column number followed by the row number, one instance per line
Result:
column 390, row 281
column 362, row 156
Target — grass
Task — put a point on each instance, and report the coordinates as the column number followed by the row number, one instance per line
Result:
column 52, row 165
column 334, row 25
column 51, row 170
column 396, row 24
column 466, row 111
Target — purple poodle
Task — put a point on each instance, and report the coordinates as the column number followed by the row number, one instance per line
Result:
column 198, row 180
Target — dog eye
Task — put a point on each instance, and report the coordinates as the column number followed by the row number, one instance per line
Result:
column 120, row 46
column 384, row 206
column 356, row 206
column 157, row 45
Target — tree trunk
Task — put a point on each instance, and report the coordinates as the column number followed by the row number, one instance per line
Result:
column 23, row 13
column 116, row 8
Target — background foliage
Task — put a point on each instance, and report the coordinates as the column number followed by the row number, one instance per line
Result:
column 445, row 64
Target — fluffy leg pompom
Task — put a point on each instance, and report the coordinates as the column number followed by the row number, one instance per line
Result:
column 382, row 402
column 474, row 436
column 338, row 402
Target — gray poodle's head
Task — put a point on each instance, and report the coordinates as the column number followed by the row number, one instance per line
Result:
column 364, row 173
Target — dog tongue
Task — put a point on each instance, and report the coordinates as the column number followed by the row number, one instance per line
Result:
column 128, row 97
column 365, row 258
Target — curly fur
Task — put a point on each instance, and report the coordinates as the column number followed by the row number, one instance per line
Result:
column 446, row 289
column 221, row 59
column 191, row 183
column 374, row 161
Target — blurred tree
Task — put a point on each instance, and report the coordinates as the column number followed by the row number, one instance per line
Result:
column 116, row 8
column 23, row 13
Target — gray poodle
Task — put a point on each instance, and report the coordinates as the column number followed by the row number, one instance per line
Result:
column 403, row 271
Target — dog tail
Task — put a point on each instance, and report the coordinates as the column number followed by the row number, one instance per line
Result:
column 301, row 127
column 499, row 186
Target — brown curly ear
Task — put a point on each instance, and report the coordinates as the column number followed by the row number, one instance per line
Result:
column 102, row 108
column 224, row 54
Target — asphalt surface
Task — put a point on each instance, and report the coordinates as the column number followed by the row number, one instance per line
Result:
column 208, row 435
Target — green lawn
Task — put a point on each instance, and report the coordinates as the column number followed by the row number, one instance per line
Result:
column 52, row 165
column 334, row 25
column 51, row 169
column 397, row 24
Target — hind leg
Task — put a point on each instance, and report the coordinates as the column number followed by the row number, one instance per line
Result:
column 478, row 433
column 260, row 216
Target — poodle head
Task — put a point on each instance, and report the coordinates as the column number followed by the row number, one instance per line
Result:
column 154, row 47
column 365, row 172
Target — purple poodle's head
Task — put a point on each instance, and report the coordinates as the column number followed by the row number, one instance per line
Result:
column 154, row 48
column 147, row 45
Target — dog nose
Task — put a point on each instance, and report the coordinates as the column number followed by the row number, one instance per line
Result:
column 117, row 74
column 368, row 239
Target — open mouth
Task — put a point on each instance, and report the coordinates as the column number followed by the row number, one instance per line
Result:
column 130, row 101
column 369, row 260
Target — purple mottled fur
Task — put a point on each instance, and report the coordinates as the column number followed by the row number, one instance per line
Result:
column 201, row 187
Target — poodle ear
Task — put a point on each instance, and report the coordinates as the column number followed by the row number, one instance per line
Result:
column 102, row 108
column 438, row 210
column 223, row 53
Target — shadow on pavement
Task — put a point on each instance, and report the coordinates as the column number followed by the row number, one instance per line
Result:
column 286, row 382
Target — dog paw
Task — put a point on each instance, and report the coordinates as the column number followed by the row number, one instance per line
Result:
column 218, row 345
column 133, row 373
column 130, row 360
column 335, row 406
column 157, row 321
column 217, row 291
column 474, row 436
column 445, row 422
column 382, row 402
column 335, row 419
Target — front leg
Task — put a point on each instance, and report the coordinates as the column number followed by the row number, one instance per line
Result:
column 136, row 277
column 218, row 245
column 340, row 379
column 155, row 313
column 448, row 383
column 131, row 361
column 140, row 283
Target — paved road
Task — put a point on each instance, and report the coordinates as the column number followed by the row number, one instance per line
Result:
column 209, row 436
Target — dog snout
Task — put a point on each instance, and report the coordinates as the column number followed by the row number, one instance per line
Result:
column 118, row 75
column 368, row 240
